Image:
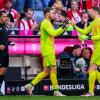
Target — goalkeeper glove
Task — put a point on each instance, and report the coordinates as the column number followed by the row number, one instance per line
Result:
column 62, row 26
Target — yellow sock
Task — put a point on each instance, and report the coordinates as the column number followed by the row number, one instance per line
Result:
column 38, row 78
column 53, row 78
column 92, row 79
column 98, row 76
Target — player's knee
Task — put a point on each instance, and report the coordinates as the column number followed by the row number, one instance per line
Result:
column 46, row 72
column 53, row 70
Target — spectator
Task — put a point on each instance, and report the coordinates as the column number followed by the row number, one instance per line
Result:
column 76, row 51
column 58, row 6
column 11, row 12
column 84, row 20
column 27, row 23
column 83, row 4
column 86, row 54
column 82, row 64
column 83, row 23
column 73, row 13
column 8, row 7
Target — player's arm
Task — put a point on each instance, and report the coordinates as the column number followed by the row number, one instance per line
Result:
column 85, row 37
column 53, row 32
column 84, row 31
column 96, row 37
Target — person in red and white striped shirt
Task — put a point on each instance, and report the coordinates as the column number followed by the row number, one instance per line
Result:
column 8, row 7
column 27, row 23
column 11, row 12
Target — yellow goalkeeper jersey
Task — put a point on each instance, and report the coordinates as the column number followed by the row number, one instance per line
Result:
column 47, row 34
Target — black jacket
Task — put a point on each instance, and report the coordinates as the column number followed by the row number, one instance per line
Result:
column 4, row 37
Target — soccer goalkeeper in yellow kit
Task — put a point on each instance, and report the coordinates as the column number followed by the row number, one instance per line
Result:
column 94, row 27
column 48, row 52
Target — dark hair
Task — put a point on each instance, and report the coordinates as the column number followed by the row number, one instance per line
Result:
column 87, row 48
column 84, row 12
column 1, row 12
column 76, row 47
column 26, row 10
column 47, row 9
column 8, row 0
column 97, row 9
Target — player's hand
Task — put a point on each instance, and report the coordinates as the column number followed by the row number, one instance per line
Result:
column 2, row 47
column 67, row 25
column 83, row 37
column 12, row 43
column 72, row 23
column 36, row 25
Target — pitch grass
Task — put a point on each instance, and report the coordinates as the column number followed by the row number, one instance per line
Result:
column 48, row 98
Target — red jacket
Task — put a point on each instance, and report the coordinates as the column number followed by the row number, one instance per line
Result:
column 70, row 15
column 1, row 4
column 88, row 4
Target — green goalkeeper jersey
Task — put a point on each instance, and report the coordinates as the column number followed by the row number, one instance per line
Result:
column 94, row 27
column 47, row 34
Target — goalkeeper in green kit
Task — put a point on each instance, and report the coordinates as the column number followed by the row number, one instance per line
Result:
column 94, row 27
column 48, row 52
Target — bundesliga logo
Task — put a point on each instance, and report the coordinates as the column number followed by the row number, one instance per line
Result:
column 65, row 87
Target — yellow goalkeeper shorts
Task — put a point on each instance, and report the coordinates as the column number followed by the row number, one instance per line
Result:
column 49, row 61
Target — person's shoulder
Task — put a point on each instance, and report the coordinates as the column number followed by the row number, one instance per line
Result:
column 45, row 22
column 13, row 10
column 98, row 19
column 95, row 21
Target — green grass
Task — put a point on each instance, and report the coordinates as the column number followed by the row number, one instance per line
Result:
column 48, row 98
